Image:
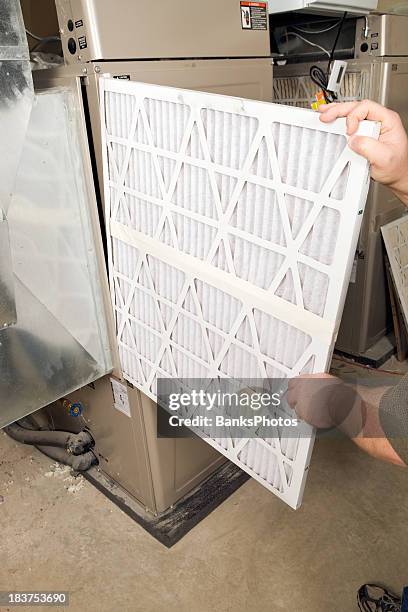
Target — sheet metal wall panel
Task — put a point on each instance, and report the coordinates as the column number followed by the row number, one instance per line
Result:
column 233, row 227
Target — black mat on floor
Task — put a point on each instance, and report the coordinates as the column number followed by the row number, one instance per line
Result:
column 169, row 527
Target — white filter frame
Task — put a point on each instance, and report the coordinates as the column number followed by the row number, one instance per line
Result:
column 135, row 134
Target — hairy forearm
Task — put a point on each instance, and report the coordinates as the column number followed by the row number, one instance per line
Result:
column 375, row 418
column 379, row 448
column 372, row 438
column 363, row 426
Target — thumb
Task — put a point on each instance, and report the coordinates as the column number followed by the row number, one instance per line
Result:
column 373, row 150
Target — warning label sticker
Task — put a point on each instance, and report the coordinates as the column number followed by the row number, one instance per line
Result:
column 254, row 16
column 82, row 42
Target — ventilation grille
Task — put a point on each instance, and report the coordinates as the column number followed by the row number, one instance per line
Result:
column 301, row 91
column 232, row 226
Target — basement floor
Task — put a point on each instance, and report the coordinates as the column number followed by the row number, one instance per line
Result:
column 252, row 553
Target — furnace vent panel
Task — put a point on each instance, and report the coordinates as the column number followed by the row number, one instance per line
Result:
column 300, row 90
column 233, row 226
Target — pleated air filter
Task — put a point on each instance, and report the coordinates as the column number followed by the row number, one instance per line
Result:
column 395, row 237
column 233, row 226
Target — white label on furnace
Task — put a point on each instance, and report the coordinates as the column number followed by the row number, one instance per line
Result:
column 121, row 398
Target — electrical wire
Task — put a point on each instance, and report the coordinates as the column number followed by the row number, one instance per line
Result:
column 35, row 36
column 339, row 31
column 311, row 31
column 44, row 41
column 319, row 78
column 309, row 42
column 317, row 74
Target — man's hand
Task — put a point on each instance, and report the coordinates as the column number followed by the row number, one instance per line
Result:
column 388, row 156
column 324, row 401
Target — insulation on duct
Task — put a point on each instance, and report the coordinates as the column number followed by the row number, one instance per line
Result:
column 16, row 98
column 16, row 94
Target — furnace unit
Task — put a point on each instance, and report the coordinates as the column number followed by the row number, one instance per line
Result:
column 192, row 45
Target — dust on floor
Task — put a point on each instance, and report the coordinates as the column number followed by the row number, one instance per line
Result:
column 251, row 554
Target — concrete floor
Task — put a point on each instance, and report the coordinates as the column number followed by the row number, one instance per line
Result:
column 252, row 553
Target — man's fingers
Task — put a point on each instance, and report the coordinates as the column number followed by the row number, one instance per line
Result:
column 330, row 112
column 364, row 110
column 373, row 150
column 356, row 112
column 293, row 392
column 371, row 111
column 352, row 122
column 291, row 398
